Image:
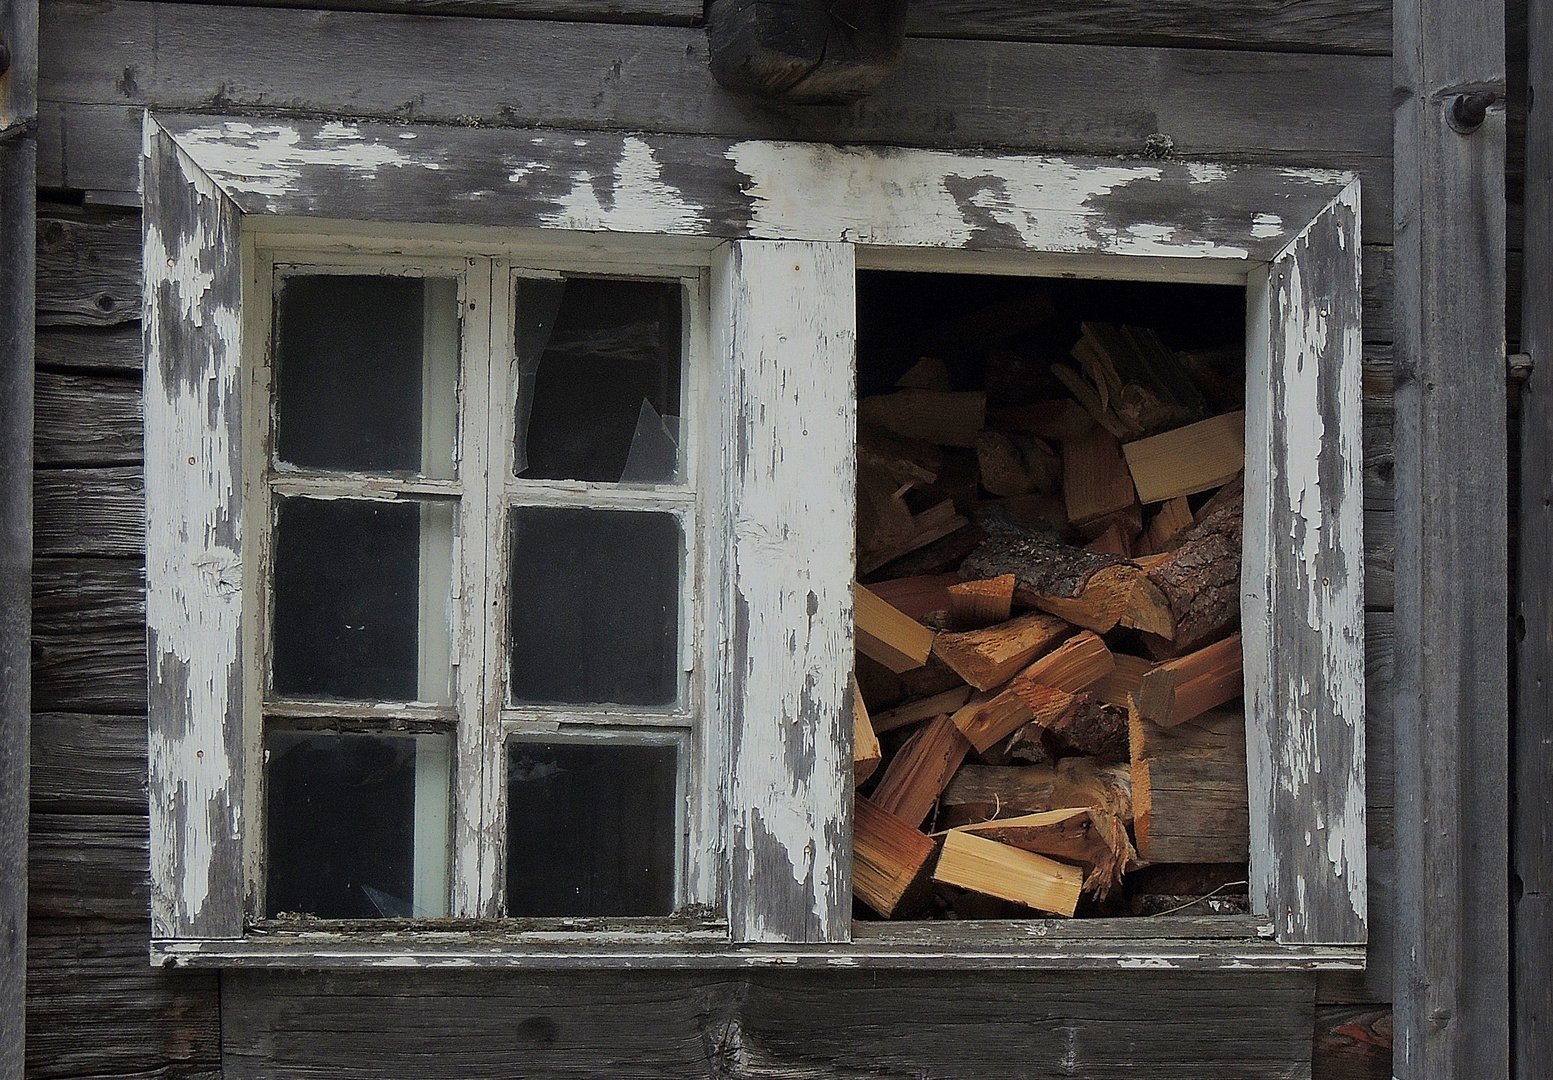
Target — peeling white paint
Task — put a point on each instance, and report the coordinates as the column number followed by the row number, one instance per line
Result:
column 933, row 198
column 640, row 200
column 267, row 159
column 1266, row 226
column 193, row 572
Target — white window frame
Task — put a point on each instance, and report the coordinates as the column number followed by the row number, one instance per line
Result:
column 784, row 228
column 482, row 719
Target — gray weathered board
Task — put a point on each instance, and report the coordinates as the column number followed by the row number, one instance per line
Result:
column 1452, row 935
column 1236, row 106
column 18, row 162
column 843, row 1025
column 1532, row 828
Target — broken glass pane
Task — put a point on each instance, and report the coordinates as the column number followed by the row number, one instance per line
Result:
column 590, row 352
column 366, row 373
column 591, row 828
column 363, row 599
column 595, row 606
column 357, row 825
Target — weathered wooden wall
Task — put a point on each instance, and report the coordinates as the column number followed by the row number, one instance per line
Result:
column 1254, row 80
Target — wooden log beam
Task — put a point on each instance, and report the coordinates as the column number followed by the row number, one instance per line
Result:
column 1452, row 757
column 806, row 51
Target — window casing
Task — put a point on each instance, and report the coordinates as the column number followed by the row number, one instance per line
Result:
column 493, row 590
column 777, row 458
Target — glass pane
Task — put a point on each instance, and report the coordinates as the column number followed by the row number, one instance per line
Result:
column 598, row 393
column 366, row 373
column 358, row 825
column 363, row 600
column 595, row 606
column 591, row 829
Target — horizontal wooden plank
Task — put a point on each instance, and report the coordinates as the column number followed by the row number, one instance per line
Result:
column 89, row 512
column 1312, row 26
column 71, row 596
column 88, row 266
column 88, row 764
column 86, row 419
column 655, row 12
column 116, row 348
column 775, row 1024
column 96, row 1009
column 89, row 866
column 97, row 671
column 1380, row 275
column 949, row 94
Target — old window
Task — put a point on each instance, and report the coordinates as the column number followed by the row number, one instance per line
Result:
column 782, row 230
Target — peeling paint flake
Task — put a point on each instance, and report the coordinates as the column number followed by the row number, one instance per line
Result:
column 636, row 199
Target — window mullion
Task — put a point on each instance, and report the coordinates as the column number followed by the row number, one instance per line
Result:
column 476, row 825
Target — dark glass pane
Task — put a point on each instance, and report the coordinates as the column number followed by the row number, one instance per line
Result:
column 598, row 360
column 361, row 599
column 366, row 373
column 343, row 815
column 595, row 606
column 590, row 829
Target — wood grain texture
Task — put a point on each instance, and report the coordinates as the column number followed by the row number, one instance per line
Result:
column 1302, row 592
column 98, row 671
column 89, row 512
column 1452, row 936
column 1351, row 1043
column 86, row 764
column 89, row 866
column 1322, row 26
column 83, row 419
column 18, row 162
column 96, row 1009
column 783, row 314
column 114, row 349
column 836, row 1024
column 88, row 266
column 81, row 595
column 193, row 546
column 1532, row 807
column 948, row 94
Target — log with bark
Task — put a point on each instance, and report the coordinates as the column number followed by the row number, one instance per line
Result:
column 1200, row 580
column 1189, row 789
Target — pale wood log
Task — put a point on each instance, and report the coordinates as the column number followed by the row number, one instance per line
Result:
column 916, row 596
column 1124, row 679
column 985, row 723
column 1171, row 518
column 925, row 709
column 1189, row 789
column 1089, row 836
column 888, row 635
column 1188, row 686
column 920, row 770
column 980, row 604
column 982, row 792
column 1085, row 781
column 947, row 419
column 866, row 753
column 1076, row 664
column 1114, row 541
column 986, row 866
column 890, row 859
column 1056, row 421
column 1004, row 470
column 929, row 373
column 1188, row 460
column 1096, row 484
column 989, row 658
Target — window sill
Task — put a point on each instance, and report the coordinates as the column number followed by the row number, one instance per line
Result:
column 1207, row 943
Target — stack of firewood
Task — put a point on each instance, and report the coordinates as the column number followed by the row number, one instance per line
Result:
column 1049, row 660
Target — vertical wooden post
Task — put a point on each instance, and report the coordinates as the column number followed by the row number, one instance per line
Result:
column 1452, row 946
column 18, row 247
column 784, row 315
column 1532, row 829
